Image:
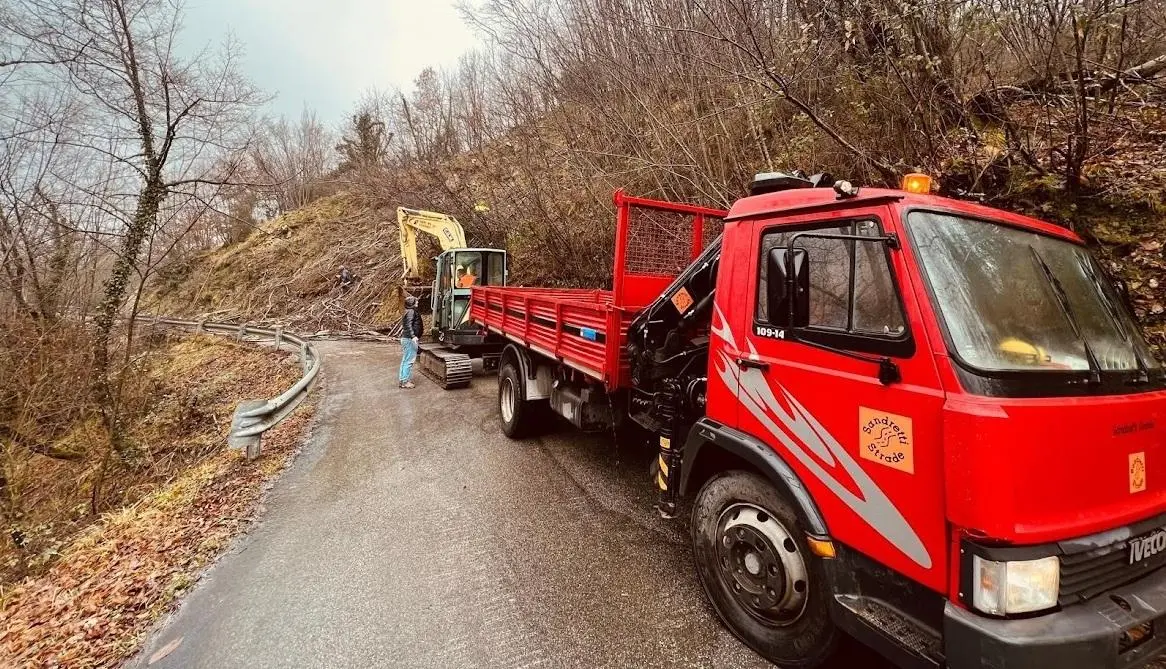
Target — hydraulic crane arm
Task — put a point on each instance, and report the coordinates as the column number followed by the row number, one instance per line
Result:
column 446, row 229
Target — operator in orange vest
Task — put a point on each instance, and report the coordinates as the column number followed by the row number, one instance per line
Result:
column 468, row 278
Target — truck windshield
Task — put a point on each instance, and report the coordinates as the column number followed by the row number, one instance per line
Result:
column 1014, row 300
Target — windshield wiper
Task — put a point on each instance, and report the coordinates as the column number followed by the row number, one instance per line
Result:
column 1067, row 309
column 1115, row 316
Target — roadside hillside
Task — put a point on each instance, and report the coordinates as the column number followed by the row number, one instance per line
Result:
column 286, row 271
column 78, row 587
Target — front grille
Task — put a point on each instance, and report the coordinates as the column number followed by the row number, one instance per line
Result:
column 1090, row 573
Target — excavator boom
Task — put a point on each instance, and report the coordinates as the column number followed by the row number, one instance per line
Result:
column 446, row 229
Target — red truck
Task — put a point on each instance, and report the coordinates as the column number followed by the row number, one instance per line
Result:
column 921, row 422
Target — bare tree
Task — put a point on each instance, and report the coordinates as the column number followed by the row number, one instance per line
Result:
column 164, row 121
column 292, row 160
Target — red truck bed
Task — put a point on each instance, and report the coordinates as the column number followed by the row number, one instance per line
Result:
column 571, row 326
column 587, row 329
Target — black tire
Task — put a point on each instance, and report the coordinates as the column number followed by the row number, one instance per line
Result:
column 793, row 631
column 521, row 419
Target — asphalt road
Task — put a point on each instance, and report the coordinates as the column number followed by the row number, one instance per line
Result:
column 411, row 533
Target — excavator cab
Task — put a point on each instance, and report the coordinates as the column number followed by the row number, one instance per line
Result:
column 458, row 272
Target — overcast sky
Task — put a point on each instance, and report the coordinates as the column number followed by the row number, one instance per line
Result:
column 326, row 53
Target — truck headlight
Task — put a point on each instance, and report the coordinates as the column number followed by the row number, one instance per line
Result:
column 1023, row 586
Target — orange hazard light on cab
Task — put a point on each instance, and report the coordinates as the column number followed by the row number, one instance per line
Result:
column 917, row 183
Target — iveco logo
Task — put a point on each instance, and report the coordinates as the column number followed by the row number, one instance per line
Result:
column 1140, row 549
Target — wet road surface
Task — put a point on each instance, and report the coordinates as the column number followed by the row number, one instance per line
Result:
column 411, row 533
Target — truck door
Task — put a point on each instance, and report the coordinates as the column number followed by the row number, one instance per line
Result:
column 869, row 451
column 735, row 269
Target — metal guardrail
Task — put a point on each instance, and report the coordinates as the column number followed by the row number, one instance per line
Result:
column 254, row 417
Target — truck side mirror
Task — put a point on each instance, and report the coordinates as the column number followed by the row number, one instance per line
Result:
column 788, row 287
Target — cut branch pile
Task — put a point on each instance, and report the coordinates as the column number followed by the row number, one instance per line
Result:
column 287, row 272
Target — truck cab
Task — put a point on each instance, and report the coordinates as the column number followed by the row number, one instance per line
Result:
column 920, row 422
column 959, row 402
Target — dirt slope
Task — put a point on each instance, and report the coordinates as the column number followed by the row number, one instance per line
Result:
column 285, row 272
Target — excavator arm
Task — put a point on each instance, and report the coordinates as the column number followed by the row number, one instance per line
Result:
column 446, row 229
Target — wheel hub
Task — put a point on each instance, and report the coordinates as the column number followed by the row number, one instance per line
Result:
column 753, row 563
column 506, row 398
column 761, row 564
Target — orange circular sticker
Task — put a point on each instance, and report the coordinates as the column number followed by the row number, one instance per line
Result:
column 1137, row 472
column 887, row 439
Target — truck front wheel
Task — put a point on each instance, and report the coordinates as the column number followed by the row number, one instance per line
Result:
column 516, row 414
column 756, row 568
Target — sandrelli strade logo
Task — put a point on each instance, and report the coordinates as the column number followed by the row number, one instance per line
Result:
column 887, row 439
column 1137, row 472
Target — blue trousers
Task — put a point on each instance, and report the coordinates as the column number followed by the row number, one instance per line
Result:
column 408, row 357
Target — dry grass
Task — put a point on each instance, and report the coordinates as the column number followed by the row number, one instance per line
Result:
column 177, row 403
column 90, row 601
column 285, row 271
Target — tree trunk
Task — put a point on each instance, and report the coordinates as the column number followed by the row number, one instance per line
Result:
column 114, row 293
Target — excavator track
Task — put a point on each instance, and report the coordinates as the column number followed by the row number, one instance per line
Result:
column 446, row 368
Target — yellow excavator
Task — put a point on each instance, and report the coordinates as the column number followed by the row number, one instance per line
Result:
column 459, row 268
column 446, row 229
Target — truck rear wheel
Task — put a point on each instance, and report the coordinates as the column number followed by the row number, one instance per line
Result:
column 517, row 415
column 756, row 568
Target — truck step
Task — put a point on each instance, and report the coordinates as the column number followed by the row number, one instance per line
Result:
column 921, row 646
column 446, row 368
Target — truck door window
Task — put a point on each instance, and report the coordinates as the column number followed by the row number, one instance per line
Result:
column 876, row 305
column 851, row 289
column 829, row 279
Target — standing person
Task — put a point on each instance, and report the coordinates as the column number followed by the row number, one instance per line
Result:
column 411, row 328
column 346, row 277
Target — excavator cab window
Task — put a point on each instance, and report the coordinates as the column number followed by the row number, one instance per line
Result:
column 469, row 269
column 495, row 271
column 479, row 268
column 444, row 282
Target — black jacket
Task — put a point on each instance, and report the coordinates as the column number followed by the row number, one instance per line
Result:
column 411, row 325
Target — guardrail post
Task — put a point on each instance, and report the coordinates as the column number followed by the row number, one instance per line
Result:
column 305, row 357
column 242, row 332
column 278, row 338
column 201, row 326
column 248, row 444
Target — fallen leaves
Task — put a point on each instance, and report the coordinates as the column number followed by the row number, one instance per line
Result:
column 92, row 607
